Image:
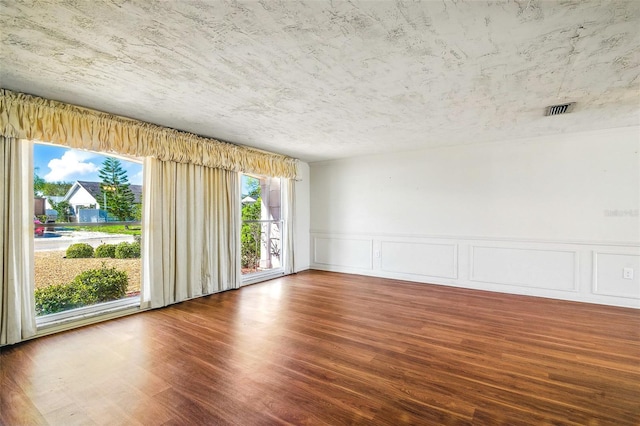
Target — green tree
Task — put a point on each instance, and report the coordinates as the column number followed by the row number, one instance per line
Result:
column 62, row 208
column 56, row 188
column 44, row 188
column 115, row 187
column 137, row 211
column 253, row 187
column 38, row 183
column 250, row 234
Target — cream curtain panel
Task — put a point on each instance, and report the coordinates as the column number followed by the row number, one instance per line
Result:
column 17, row 303
column 191, row 232
column 289, row 217
column 24, row 116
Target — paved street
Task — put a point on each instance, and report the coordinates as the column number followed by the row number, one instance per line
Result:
column 62, row 240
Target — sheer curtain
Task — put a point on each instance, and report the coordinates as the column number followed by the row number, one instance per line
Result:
column 17, row 303
column 191, row 232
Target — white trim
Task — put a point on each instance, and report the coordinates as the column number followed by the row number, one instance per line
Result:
column 84, row 312
column 594, row 280
column 581, row 288
column 497, row 288
column 576, row 267
column 454, row 260
column 366, row 240
column 80, row 320
column 378, row 235
column 257, row 277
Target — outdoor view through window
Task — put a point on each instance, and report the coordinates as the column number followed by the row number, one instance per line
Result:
column 87, row 212
column 262, row 225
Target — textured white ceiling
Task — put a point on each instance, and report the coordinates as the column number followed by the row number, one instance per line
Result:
column 323, row 80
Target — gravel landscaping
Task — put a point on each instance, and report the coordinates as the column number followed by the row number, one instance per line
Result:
column 52, row 268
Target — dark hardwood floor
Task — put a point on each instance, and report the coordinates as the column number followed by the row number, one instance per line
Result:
column 326, row 348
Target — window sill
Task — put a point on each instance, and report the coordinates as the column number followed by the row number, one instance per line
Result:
column 257, row 277
column 54, row 323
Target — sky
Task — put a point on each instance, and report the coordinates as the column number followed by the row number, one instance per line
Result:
column 61, row 164
column 55, row 164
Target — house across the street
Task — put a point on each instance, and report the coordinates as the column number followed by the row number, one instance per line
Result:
column 88, row 195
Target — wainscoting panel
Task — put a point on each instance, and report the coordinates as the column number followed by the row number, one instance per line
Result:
column 580, row 271
column 434, row 260
column 547, row 269
column 608, row 274
column 348, row 252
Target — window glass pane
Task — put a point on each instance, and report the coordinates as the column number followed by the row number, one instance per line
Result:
column 87, row 231
column 261, row 234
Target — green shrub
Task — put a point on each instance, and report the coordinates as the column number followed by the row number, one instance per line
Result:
column 55, row 298
column 128, row 250
column 103, row 284
column 88, row 288
column 106, row 250
column 79, row 250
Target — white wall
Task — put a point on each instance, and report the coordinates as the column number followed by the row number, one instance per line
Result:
column 550, row 216
column 302, row 219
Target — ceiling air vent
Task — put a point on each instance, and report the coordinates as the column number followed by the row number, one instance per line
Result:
column 559, row 109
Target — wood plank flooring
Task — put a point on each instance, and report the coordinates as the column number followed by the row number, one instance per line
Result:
column 327, row 348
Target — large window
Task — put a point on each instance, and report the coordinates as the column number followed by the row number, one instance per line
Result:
column 87, row 213
column 262, row 227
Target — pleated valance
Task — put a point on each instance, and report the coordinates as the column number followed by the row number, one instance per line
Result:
column 30, row 117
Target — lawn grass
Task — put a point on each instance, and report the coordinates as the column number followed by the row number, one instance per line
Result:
column 112, row 229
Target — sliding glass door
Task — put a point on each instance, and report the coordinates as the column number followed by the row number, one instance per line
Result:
column 262, row 232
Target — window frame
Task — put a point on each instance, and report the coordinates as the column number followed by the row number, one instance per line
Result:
column 259, row 276
column 84, row 315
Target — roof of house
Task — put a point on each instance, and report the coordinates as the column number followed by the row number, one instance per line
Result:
column 95, row 190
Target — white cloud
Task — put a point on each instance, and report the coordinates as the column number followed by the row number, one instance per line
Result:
column 71, row 163
column 136, row 179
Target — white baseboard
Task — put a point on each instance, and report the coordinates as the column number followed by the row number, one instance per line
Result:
column 582, row 272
